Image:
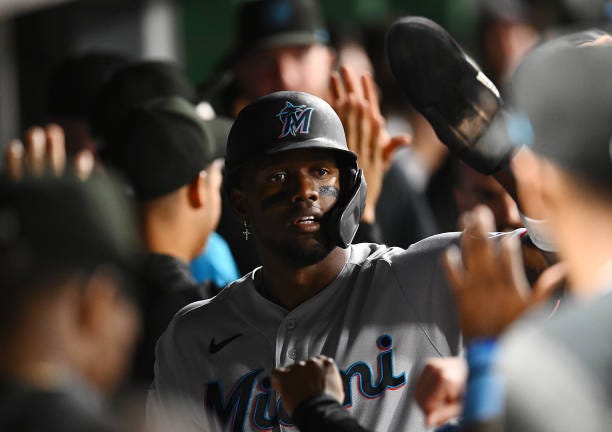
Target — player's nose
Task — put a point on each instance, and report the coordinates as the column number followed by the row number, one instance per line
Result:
column 305, row 189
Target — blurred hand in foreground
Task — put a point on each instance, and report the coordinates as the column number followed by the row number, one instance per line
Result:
column 44, row 153
column 488, row 278
column 440, row 388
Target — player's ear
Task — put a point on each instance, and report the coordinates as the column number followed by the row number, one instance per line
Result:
column 197, row 190
column 529, row 181
column 239, row 202
column 552, row 185
column 97, row 301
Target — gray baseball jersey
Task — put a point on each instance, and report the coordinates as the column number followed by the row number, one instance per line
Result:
column 388, row 310
column 558, row 372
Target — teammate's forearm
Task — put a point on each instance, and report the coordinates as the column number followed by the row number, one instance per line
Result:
column 324, row 414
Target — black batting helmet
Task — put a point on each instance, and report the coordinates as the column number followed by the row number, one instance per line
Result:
column 287, row 120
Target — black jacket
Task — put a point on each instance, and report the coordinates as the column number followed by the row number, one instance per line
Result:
column 167, row 286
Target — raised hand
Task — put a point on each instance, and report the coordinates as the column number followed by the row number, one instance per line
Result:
column 357, row 106
column 488, row 278
column 44, row 153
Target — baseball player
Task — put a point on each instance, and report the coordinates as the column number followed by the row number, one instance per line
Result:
column 380, row 312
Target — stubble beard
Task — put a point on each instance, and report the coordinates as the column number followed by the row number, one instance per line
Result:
column 296, row 253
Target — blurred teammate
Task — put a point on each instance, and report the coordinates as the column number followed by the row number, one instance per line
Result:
column 564, row 94
column 173, row 164
column 279, row 45
column 142, row 82
column 68, row 314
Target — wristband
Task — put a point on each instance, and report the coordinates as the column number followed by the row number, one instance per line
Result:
column 484, row 397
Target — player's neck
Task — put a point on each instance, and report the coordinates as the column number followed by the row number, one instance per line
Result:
column 171, row 238
column 290, row 286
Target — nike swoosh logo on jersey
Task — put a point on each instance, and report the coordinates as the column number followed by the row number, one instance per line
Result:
column 216, row 347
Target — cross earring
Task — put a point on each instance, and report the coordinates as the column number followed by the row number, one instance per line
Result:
column 246, row 231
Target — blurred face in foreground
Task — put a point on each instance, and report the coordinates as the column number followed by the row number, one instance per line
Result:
column 115, row 327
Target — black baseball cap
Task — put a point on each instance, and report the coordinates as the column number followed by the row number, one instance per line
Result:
column 272, row 23
column 55, row 225
column 162, row 145
column 282, row 121
column 564, row 95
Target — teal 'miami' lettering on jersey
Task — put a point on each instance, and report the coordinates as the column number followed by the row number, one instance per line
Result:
column 235, row 406
column 261, row 416
column 363, row 372
column 232, row 409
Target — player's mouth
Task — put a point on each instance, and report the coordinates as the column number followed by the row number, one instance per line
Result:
column 306, row 224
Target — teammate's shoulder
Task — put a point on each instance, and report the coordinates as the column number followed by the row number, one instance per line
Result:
column 218, row 303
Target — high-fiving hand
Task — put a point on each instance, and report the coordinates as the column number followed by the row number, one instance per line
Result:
column 488, row 278
column 44, row 153
column 358, row 108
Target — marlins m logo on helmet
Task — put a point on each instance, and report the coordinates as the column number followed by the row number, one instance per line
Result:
column 295, row 119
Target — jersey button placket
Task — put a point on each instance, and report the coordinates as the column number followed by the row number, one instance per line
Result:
column 292, row 354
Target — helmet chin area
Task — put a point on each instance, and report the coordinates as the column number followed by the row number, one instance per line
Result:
column 345, row 216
